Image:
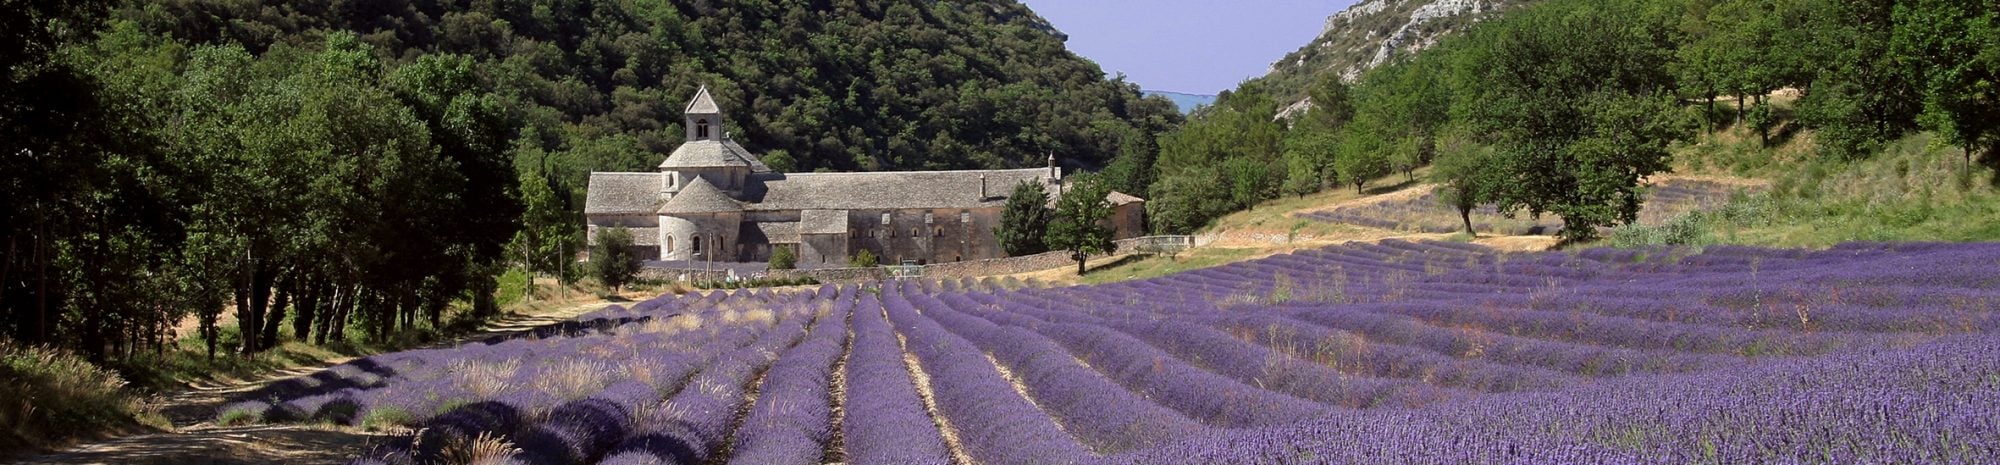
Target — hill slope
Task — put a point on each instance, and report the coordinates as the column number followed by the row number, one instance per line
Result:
column 1372, row 32
column 842, row 85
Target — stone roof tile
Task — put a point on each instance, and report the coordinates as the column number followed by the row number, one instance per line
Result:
column 885, row 190
column 702, row 103
column 823, row 222
column 612, row 193
column 700, row 197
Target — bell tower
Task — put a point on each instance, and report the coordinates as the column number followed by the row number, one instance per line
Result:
column 704, row 117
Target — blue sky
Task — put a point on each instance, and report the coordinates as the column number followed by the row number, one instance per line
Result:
column 1193, row 46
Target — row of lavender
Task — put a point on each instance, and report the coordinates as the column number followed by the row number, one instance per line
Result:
column 1404, row 352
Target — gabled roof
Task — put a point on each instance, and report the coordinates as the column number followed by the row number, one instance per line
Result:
column 823, row 222
column 700, row 197
column 702, row 104
column 1120, row 198
column 614, row 193
column 775, row 233
column 708, row 154
column 885, row 190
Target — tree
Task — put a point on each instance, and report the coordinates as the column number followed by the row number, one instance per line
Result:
column 1574, row 131
column 549, row 234
column 1464, row 175
column 1308, row 161
column 1951, row 49
column 1024, row 221
column 611, row 258
column 1362, row 155
column 1080, row 223
column 782, row 258
column 864, row 259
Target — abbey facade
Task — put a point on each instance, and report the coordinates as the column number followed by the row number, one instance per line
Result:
column 712, row 200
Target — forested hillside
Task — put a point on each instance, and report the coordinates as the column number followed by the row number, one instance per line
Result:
column 822, row 84
column 1561, row 107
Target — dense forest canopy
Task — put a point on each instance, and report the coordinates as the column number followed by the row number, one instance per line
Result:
column 823, row 84
column 1566, row 104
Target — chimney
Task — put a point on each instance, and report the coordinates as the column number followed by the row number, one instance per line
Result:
column 982, row 187
column 1052, row 167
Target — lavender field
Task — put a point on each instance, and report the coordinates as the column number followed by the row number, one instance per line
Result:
column 1664, row 200
column 1398, row 352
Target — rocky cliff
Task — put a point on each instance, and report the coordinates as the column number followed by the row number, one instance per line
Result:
column 1370, row 34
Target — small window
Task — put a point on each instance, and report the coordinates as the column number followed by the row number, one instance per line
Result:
column 885, row 218
column 701, row 128
column 670, row 243
column 696, row 240
column 915, row 232
column 965, row 217
column 939, row 230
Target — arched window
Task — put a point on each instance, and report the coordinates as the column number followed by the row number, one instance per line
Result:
column 696, row 240
column 701, row 128
column 670, row 244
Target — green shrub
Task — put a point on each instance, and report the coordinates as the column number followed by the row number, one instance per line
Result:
column 782, row 258
column 865, row 259
column 387, row 417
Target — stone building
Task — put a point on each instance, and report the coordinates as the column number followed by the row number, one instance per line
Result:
column 712, row 200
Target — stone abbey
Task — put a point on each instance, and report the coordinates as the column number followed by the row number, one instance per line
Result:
column 712, row 200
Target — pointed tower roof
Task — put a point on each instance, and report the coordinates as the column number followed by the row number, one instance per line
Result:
column 707, row 154
column 702, row 104
column 700, row 197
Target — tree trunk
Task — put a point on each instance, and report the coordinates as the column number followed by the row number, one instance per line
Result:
column 42, row 280
column 308, row 307
column 1739, row 107
column 276, row 318
column 1465, row 213
column 1081, row 259
column 1710, row 117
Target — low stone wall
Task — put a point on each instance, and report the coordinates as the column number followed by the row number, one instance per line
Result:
column 954, row 270
column 833, row 275
column 998, row 266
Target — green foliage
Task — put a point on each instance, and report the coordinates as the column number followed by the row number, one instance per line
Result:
column 611, row 258
column 1081, row 217
column 550, row 235
column 1309, row 162
column 1574, row 137
column 864, row 259
column 782, row 258
column 1466, row 175
column 1363, row 154
column 1235, row 148
column 1953, row 56
column 835, row 85
column 1024, row 221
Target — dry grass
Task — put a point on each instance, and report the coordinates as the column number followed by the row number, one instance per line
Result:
column 50, row 396
column 484, row 379
column 573, row 379
column 485, row 449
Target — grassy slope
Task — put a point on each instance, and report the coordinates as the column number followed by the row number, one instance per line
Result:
column 1915, row 189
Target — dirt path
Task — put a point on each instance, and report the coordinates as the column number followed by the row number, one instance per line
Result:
column 198, row 441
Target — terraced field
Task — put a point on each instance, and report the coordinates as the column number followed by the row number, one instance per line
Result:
column 1397, row 352
column 1422, row 211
